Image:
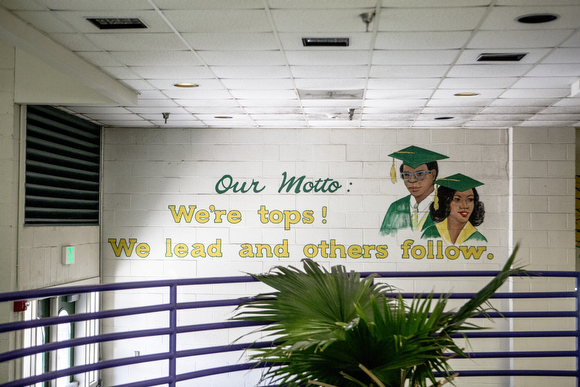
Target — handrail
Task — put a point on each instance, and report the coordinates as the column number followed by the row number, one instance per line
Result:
column 175, row 328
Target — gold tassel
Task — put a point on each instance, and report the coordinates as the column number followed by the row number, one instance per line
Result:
column 436, row 201
column 393, row 172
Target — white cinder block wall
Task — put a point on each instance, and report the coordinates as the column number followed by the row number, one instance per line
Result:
column 147, row 171
column 544, row 225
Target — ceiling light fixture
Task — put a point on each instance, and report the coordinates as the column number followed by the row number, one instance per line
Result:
column 185, row 85
column 367, row 18
column 165, row 116
column 466, row 94
column 223, row 117
column 444, row 118
column 537, row 18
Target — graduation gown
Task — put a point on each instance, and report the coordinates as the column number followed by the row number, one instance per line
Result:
column 398, row 217
column 441, row 231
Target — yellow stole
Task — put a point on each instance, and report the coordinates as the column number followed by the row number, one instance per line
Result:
column 465, row 233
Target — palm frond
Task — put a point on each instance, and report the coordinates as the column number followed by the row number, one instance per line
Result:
column 334, row 328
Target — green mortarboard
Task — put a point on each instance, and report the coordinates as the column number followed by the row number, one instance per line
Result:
column 458, row 182
column 414, row 156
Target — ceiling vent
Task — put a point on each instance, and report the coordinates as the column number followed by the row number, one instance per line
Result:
column 105, row 23
column 325, row 42
column 331, row 94
column 501, row 57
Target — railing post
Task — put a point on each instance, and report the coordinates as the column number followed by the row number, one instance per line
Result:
column 173, row 334
column 577, row 288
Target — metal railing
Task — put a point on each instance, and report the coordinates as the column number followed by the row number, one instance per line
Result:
column 560, row 302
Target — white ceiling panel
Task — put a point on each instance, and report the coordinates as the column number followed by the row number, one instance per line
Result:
column 438, row 40
column 329, row 72
column 403, row 83
column 477, row 83
column 248, row 60
column 430, row 19
column 330, row 83
column 136, row 41
column 326, row 58
column 504, row 17
column 243, row 58
column 319, row 20
column 544, row 82
column 488, row 70
column 179, row 74
column 519, row 39
column 157, row 58
column 221, row 20
column 406, row 57
column 244, row 72
column 238, row 41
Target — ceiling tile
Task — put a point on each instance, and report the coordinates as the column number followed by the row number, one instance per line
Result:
column 244, row 72
column 333, row 72
column 477, row 83
column 406, row 57
column 544, row 82
column 220, row 20
column 504, row 17
column 159, row 58
column 518, row 39
column 179, row 74
column 243, row 58
column 430, row 19
column 319, row 20
column 239, row 41
column 136, row 41
column 488, row 70
column 438, row 40
column 408, row 71
column 317, row 58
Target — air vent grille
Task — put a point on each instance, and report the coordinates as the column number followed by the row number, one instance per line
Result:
column 62, row 168
column 325, row 42
column 104, row 23
column 501, row 57
column 331, row 94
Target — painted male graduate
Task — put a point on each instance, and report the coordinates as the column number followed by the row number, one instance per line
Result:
column 419, row 169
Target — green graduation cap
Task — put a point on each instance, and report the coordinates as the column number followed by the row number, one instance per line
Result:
column 414, row 156
column 458, row 182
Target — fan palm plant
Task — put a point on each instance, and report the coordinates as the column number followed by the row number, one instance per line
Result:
column 337, row 329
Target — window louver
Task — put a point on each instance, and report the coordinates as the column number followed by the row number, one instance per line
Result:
column 62, row 168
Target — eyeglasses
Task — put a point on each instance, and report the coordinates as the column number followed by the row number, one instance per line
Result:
column 419, row 175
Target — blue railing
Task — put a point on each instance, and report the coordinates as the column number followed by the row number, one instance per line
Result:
column 562, row 300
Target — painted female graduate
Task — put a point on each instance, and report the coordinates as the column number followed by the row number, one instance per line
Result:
column 456, row 211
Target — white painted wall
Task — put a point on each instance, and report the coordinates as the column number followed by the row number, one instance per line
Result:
column 148, row 170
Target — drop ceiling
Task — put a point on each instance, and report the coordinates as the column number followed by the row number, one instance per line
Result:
column 401, row 70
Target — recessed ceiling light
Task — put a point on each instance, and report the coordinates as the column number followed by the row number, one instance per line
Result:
column 223, row 117
column 185, row 85
column 466, row 94
column 537, row 18
column 444, row 118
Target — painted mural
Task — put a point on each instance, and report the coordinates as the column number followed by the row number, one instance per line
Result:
column 388, row 204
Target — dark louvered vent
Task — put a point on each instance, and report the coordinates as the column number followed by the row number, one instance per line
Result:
column 62, row 168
